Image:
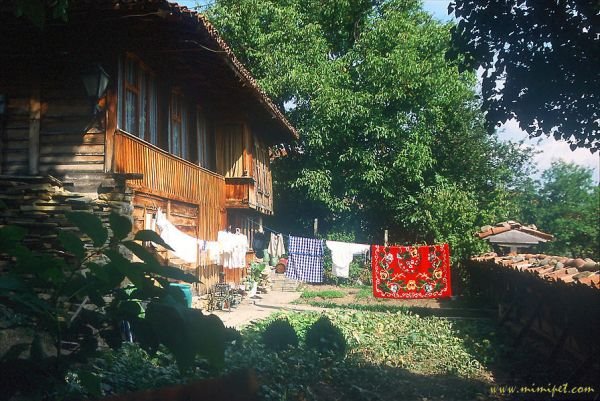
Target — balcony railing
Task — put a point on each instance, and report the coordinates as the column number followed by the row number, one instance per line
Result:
column 173, row 178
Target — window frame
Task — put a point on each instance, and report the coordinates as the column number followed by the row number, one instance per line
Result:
column 145, row 110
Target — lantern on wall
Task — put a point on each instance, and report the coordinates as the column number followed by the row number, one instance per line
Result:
column 95, row 80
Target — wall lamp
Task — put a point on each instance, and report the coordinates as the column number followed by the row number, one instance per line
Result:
column 95, row 80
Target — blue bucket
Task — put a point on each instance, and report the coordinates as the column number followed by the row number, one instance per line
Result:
column 186, row 289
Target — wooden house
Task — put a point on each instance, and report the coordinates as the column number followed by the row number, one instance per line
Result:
column 181, row 125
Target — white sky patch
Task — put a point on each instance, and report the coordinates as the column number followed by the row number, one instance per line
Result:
column 438, row 8
column 551, row 149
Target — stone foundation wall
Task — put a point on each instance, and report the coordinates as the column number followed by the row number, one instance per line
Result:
column 39, row 204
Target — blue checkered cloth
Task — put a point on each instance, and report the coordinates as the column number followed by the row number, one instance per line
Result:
column 305, row 261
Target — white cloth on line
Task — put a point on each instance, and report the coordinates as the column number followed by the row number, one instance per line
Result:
column 232, row 249
column 342, row 254
column 184, row 246
column 212, row 249
column 276, row 246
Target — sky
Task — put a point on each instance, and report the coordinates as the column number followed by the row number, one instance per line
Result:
column 550, row 149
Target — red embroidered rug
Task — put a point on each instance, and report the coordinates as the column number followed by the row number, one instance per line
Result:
column 411, row 272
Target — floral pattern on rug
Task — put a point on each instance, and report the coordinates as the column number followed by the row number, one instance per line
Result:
column 411, row 272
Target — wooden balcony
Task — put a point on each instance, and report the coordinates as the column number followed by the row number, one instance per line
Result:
column 242, row 193
column 171, row 177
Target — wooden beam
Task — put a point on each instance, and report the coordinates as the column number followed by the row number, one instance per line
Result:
column 247, row 151
column 111, row 128
column 35, row 114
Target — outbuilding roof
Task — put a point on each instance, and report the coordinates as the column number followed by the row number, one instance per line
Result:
column 513, row 233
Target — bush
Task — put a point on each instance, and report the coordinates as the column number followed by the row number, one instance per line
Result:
column 279, row 335
column 325, row 337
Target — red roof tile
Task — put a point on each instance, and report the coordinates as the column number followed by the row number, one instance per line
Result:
column 549, row 267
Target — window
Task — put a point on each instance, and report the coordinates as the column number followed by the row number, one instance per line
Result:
column 230, row 150
column 139, row 109
column 202, row 140
column 178, row 125
column 261, row 168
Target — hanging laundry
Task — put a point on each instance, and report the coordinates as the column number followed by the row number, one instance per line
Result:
column 259, row 242
column 213, row 252
column 232, row 249
column 240, row 248
column 342, row 254
column 411, row 272
column 305, row 261
column 276, row 246
column 184, row 246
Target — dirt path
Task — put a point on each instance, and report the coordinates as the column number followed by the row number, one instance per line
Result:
column 260, row 307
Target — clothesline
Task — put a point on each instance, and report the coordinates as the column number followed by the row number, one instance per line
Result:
column 266, row 228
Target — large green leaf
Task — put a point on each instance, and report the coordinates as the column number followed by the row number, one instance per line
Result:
column 149, row 235
column 131, row 270
column 142, row 253
column 176, row 274
column 11, row 283
column 168, row 324
column 120, row 225
column 10, row 234
column 90, row 225
column 91, row 383
column 72, row 243
column 153, row 266
column 130, row 309
column 107, row 273
column 207, row 337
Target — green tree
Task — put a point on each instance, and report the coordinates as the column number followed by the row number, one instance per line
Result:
column 39, row 11
column 569, row 208
column 382, row 114
column 540, row 63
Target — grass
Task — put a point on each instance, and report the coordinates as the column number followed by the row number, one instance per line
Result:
column 390, row 356
column 325, row 294
column 379, row 307
column 364, row 293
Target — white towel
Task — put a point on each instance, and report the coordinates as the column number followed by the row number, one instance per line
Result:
column 342, row 254
column 184, row 246
column 276, row 246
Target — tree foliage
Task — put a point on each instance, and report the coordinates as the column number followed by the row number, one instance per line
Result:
column 565, row 203
column 39, row 11
column 386, row 120
column 540, row 63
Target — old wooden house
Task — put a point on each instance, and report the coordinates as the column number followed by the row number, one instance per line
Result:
column 178, row 123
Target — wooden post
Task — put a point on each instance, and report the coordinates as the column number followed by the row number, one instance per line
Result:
column 247, row 151
column 111, row 128
column 385, row 238
column 35, row 114
column 315, row 227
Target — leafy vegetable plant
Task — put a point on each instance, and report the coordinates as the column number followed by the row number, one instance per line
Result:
column 75, row 303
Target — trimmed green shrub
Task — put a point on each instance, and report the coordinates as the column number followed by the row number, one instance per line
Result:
column 279, row 335
column 325, row 337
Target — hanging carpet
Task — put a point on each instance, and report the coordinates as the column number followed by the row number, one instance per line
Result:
column 410, row 272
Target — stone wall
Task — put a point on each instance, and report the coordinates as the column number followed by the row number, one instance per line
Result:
column 39, row 204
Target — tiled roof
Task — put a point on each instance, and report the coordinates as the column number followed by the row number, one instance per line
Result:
column 582, row 271
column 488, row 231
